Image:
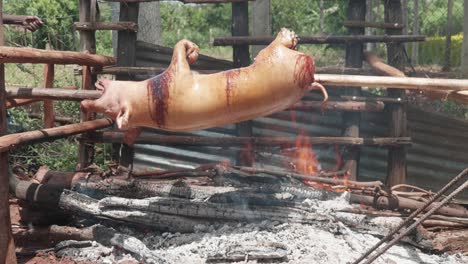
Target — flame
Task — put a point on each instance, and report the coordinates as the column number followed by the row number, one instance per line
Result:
column 306, row 160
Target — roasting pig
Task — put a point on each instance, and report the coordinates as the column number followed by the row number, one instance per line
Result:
column 183, row 100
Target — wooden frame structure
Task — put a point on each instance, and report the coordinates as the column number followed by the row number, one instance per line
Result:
column 352, row 102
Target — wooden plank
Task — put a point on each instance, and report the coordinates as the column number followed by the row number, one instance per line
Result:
column 7, row 245
column 354, row 56
column 49, row 120
column 88, row 43
column 396, row 171
column 241, row 58
column 126, row 56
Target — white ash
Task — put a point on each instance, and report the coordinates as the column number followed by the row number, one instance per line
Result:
column 323, row 242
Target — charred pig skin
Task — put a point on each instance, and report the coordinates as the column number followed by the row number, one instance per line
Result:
column 183, row 100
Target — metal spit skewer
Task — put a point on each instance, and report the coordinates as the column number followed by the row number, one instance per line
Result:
column 413, row 215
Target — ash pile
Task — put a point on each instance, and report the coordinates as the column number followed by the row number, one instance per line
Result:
column 226, row 214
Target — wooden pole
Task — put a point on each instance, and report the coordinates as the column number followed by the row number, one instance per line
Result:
column 396, row 173
column 87, row 43
column 49, row 120
column 10, row 103
column 7, row 245
column 426, row 84
column 145, row 138
column 351, row 120
column 383, row 68
column 183, row 1
column 241, row 58
column 448, row 36
column 126, row 56
column 257, row 40
column 380, row 67
column 415, row 45
column 10, row 141
column 30, row 55
column 86, row 26
column 368, row 24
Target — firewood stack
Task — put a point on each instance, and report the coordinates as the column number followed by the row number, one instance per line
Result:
column 73, row 212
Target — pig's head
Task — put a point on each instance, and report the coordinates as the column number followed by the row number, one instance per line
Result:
column 114, row 102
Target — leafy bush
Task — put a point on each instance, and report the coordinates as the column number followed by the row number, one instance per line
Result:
column 58, row 17
column 432, row 51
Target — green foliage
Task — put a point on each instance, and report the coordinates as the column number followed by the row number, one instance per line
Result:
column 199, row 23
column 58, row 17
column 432, row 51
column 303, row 16
column 433, row 17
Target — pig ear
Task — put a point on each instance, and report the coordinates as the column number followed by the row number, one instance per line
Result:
column 122, row 118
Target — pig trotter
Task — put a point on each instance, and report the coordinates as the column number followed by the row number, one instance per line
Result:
column 288, row 38
column 185, row 51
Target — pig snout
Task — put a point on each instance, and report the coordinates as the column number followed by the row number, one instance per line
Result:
column 109, row 103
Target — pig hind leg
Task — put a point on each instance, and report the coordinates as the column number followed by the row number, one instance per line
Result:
column 185, row 53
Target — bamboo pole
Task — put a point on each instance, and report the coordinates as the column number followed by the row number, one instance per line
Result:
column 10, row 141
column 393, row 82
column 117, row 137
column 385, row 69
column 30, row 55
column 440, row 85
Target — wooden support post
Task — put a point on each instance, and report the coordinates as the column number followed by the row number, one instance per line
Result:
column 7, row 245
column 88, row 43
column 397, row 155
column 448, row 36
column 241, row 58
column 49, row 119
column 126, row 56
column 354, row 55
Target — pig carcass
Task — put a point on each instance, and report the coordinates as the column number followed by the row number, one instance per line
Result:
column 183, row 100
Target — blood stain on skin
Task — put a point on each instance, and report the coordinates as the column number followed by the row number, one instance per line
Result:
column 158, row 90
column 304, row 71
column 231, row 79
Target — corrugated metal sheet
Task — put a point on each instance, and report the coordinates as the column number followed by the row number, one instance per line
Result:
column 438, row 153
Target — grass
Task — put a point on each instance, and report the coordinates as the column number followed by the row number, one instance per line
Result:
column 60, row 154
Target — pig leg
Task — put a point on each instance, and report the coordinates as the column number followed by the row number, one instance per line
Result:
column 185, row 53
column 288, row 39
